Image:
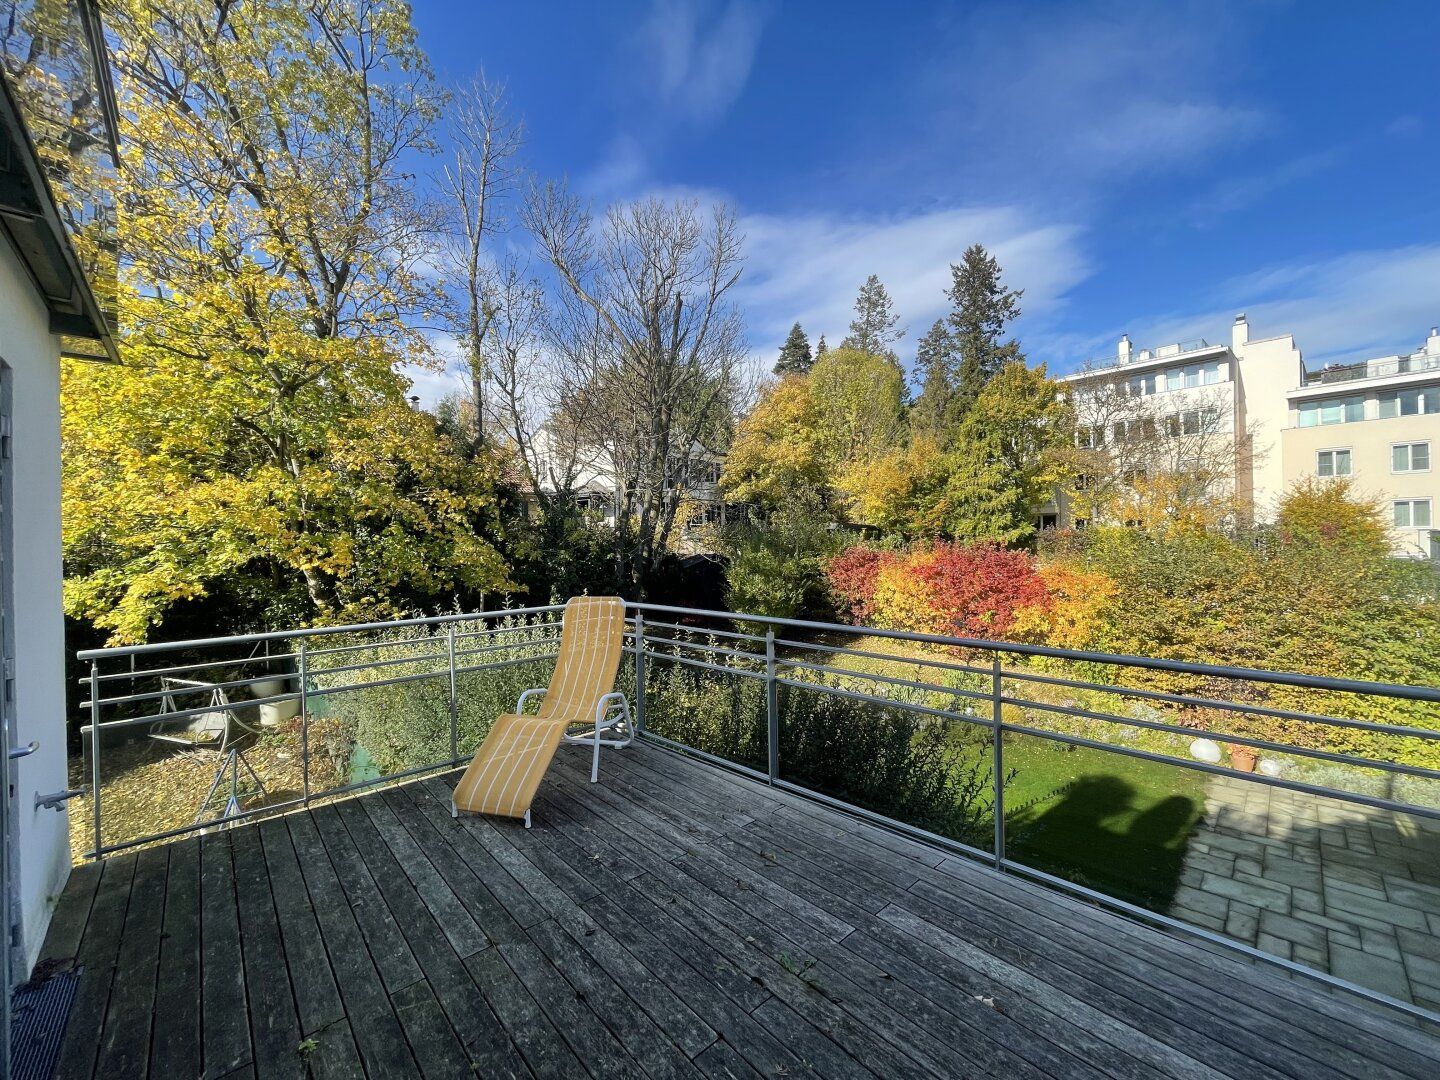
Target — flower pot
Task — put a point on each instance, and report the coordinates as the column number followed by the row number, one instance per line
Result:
column 1242, row 759
column 277, row 712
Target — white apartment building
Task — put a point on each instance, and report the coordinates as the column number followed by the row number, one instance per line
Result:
column 1376, row 421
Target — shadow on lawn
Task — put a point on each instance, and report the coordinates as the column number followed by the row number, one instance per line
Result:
column 1092, row 837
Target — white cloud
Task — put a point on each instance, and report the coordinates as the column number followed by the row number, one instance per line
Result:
column 700, row 53
column 431, row 385
column 809, row 267
column 1347, row 307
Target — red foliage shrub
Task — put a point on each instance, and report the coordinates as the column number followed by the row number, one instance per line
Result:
column 970, row 591
column 852, row 575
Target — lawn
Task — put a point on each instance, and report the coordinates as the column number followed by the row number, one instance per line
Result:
column 1114, row 823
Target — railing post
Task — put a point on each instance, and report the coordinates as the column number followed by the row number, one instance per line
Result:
column 95, row 747
column 997, row 765
column 454, row 696
column 772, row 710
column 639, row 670
column 304, row 670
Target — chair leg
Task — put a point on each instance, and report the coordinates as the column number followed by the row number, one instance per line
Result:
column 527, row 819
column 595, row 764
column 454, row 810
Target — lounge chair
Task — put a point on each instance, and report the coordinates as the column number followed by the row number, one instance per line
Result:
column 507, row 769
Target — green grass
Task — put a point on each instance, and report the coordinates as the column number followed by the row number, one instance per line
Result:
column 1114, row 823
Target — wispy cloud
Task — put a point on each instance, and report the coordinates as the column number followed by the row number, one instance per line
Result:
column 809, row 267
column 1239, row 192
column 700, row 53
column 1345, row 307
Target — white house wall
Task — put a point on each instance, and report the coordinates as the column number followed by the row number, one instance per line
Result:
column 38, row 626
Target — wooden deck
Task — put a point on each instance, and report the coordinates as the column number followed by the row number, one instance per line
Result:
column 672, row 920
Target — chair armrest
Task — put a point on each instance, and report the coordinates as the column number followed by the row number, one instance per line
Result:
column 520, row 705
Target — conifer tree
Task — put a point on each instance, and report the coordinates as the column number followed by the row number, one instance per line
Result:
column 875, row 326
column 821, row 348
column 795, row 358
column 982, row 307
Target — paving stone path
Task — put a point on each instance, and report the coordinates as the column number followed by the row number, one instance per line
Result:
column 1347, row 889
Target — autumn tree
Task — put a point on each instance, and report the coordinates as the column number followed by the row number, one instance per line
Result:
column 479, row 180
column 648, row 344
column 875, row 328
column 778, row 448
column 795, row 356
column 273, row 244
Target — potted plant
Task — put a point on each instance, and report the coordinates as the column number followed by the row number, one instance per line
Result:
column 1242, row 758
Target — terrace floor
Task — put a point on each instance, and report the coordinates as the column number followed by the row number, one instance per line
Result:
column 672, row 920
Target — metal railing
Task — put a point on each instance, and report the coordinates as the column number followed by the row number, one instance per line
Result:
column 999, row 690
column 1374, row 369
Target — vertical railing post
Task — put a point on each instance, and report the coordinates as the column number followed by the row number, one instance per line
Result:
column 772, row 710
column 997, row 765
column 303, row 667
column 454, row 696
column 639, row 670
column 95, row 748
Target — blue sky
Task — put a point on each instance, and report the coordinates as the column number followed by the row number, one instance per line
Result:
column 1149, row 168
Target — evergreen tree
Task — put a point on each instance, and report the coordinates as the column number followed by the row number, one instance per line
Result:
column 795, row 356
column 935, row 364
column 874, row 328
column 982, row 308
column 821, row 348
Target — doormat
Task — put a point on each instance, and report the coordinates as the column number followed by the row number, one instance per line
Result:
column 38, row 1012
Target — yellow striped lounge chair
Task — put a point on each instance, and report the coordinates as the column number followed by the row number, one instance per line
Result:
column 508, row 767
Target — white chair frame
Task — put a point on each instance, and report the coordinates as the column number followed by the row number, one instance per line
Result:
column 611, row 711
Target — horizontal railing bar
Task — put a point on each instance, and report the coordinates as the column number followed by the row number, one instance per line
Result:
column 198, row 688
column 1243, row 740
column 469, row 668
column 746, row 672
column 358, row 785
column 1227, row 706
column 854, row 695
column 892, row 680
column 188, row 714
column 652, row 623
column 714, row 650
column 428, row 639
column 1314, row 682
column 317, row 631
column 947, row 665
column 141, row 673
column 1219, row 770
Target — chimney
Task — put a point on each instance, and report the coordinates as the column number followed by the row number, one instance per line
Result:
column 1239, row 333
column 1432, row 343
column 1124, row 351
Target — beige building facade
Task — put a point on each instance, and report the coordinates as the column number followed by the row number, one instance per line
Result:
column 1376, row 422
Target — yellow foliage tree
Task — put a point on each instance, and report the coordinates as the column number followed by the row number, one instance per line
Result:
column 777, row 448
column 270, row 241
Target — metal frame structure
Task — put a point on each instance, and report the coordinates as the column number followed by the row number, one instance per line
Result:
column 715, row 641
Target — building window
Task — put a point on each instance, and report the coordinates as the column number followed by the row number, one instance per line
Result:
column 1410, row 457
column 1410, row 403
column 1194, row 422
column 1141, row 385
column 1412, row 513
column 1333, row 463
column 1344, row 410
column 1049, row 521
column 1194, row 375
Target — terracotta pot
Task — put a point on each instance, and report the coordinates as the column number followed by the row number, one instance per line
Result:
column 1242, row 759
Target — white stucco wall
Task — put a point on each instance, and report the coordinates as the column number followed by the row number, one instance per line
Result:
column 38, row 629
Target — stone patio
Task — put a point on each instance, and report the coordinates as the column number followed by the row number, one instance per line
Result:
column 1347, row 889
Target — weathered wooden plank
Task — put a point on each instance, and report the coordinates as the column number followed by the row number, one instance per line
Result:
column 226, row 1024
column 377, row 1030
column 656, row 1051
column 573, row 1018
column 437, row 1051
column 544, row 1050
column 175, row 1044
column 696, row 987
column 484, row 907
column 99, row 948
column 474, row 1022
column 331, row 1053
column 465, row 934
column 722, row 1062
column 72, row 912
column 316, row 996
column 383, row 937
column 816, row 1052
column 274, row 1021
column 125, row 1048
column 517, row 902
